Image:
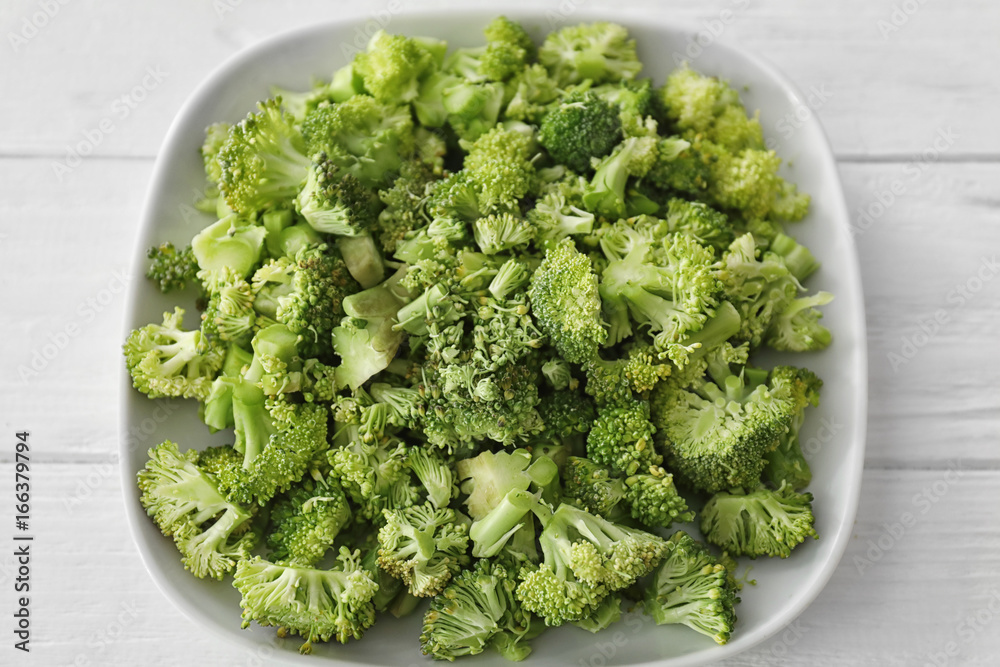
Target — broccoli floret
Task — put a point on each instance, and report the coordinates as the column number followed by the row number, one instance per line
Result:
column 229, row 314
column 263, row 161
column 392, row 66
column 375, row 475
column 405, row 204
column 215, row 138
column 760, row 288
column 693, row 101
column 277, row 451
column 681, row 167
column 315, row 604
column 557, row 213
column 508, row 49
column 605, row 194
column 306, row 520
column 581, row 127
column 530, row 93
column 361, row 136
column 471, row 109
column 501, row 232
column 761, row 523
column 337, row 203
column 701, row 222
column 306, row 294
column 693, row 588
column 786, row 463
column 298, row 104
column 478, row 611
column 649, row 497
column 564, row 299
column 797, row 327
column 717, row 431
column 166, row 360
column 601, row 52
column 231, row 243
column 185, row 502
column 499, row 168
column 566, row 414
column 466, row 405
column 435, row 474
column 171, row 269
column 616, row 382
column 506, row 53
column 669, row 287
column 423, row 546
column 607, row 613
column 633, row 98
column 586, row 558
column 622, row 438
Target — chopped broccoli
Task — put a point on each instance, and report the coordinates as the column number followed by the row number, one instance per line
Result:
column 565, row 300
column 580, row 128
column 315, row 604
column 762, row 523
column 170, row 268
column 599, row 52
column 693, row 588
column 423, row 546
column 185, row 502
column 478, row 611
column 166, row 360
column 585, row 559
column 306, row 520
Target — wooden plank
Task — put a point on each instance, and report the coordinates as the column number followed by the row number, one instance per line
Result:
column 907, row 279
column 889, row 90
column 893, row 604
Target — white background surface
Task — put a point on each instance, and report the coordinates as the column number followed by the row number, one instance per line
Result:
column 102, row 81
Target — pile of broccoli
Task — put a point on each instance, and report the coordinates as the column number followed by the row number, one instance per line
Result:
column 479, row 322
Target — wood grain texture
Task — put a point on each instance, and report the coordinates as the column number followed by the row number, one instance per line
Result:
column 888, row 94
column 926, row 232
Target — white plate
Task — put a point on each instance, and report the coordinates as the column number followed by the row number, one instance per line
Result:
column 834, row 433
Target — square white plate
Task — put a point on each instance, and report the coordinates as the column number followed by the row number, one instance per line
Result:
column 833, row 436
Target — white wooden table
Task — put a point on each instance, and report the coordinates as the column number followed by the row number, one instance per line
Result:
column 87, row 90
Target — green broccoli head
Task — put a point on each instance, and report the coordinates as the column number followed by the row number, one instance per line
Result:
column 606, row 192
column 263, row 160
column 392, row 66
column 586, row 558
column 315, row 604
column 565, row 301
column 622, row 438
column 764, row 522
column 184, row 500
column 333, row 202
column 601, row 52
column 405, row 204
column 362, row 137
column 717, row 431
column 423, row 546
column 306, row 520
column 581, row 127
column 171, row 269
column 166, row 360
column 374, row 475
column 478, row 611
column 786, row 462
column 566, row 414
column 693, row 588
